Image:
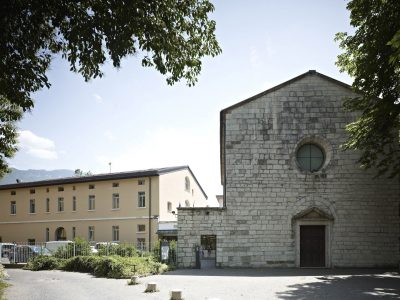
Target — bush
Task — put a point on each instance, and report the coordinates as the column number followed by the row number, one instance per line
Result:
column 114, row 266
column 44, row 263
column 119, row 249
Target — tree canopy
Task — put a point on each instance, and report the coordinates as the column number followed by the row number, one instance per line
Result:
column 372, row 57
column 170, row 35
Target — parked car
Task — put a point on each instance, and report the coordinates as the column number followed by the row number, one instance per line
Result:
column 7, row 253
column 25, row 252
column 54, row 245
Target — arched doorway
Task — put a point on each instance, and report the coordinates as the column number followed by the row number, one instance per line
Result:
column 60, row 234
column 313, row 235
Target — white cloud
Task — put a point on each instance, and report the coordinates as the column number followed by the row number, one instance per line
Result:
column 98, row 98
column 37, row 146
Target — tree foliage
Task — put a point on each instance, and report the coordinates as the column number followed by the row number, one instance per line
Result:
column 170, row 35
column 372, row 57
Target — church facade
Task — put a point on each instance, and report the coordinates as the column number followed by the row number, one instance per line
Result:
column 292, row 197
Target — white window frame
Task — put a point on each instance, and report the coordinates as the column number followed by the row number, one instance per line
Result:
column 60, row 204
column 141, row 199
column 115, row 233
column 13, row 207
column 32, row 206
column 92, row 203
column 115, row 201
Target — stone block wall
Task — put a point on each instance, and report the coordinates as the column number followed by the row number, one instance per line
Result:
column 265, row 188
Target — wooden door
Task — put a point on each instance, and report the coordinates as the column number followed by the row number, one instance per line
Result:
column 312, row 246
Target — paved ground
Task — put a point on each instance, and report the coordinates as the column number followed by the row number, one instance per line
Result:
column 212, row 284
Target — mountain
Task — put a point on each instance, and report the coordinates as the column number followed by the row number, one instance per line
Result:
column 34, row 175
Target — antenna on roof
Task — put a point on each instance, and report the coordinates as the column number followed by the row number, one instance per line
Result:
column 110, row 166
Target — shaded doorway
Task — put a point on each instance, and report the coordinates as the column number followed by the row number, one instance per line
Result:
column 312, row 246
column 208, row 251
column 60, row 234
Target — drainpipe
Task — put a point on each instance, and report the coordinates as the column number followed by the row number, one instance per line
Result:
column 149, row 213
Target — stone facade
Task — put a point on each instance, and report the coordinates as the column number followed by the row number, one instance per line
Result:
column 269, row 198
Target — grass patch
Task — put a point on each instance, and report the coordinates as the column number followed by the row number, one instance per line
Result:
column 100, row 266
column 3, row 286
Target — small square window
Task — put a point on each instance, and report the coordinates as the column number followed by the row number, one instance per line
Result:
column 141, row 228
column 91, row 186
column 32, row 191
column 47, row 190
column 61, row 189
column 73, row 188
column 141, row 182
column 13, row 193
column 115, row 184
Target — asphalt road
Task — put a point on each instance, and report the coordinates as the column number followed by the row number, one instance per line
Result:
column 211, row 284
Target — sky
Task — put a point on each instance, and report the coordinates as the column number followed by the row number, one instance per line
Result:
column 134, row 120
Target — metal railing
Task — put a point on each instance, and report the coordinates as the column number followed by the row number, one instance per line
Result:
column 14, row 253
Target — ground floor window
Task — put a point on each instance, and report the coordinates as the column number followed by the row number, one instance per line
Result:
column 141, row 244
column 115, row 233
column 47, row 234
column 91, row 233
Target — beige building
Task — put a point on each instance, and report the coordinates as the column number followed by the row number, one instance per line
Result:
column 135, row 207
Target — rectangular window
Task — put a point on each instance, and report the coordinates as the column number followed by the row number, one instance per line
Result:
column 60, row 204
column 13, row 207
column 32, row 191
column 73, row 203
column 141, row 182
column 169, row 207
column 115, row 184
column 31, row 241
column 61, row 189
column 115, row 233
column 141, row 199
column 91, row 233
column 92, row 202
column 32, row 208
column 115, row 201
column 91, row 186
column 73, row 188
column 47, row 234
column 47, row 205
column 141, row 228
column 73, row 232
column 47, row 190
column 13, row 193
column 141, row 244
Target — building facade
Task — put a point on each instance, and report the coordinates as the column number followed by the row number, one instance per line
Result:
column 292, row 197
column 129, row 207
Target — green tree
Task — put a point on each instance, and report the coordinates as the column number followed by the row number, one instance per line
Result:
column 372, row 57
column 170, row 35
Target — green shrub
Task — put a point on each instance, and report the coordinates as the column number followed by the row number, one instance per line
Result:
column 120, row 249
column 44, row 263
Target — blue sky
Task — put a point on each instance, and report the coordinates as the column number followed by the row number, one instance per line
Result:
column 134, row 120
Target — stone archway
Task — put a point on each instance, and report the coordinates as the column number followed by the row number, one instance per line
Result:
column 313, row 229
column 60, row 234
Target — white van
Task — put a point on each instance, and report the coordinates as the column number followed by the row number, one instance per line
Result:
column 54, row 245
column 7, row 253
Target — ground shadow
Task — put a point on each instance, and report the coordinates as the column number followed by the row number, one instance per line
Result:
column 367, row 286
column 281, row 272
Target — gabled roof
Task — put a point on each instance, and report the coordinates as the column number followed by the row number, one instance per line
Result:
column 102, row 177
column 248, row 100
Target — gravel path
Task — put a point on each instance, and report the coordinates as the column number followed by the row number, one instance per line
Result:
column 223, row 284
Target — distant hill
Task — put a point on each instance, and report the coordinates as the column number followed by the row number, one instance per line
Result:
column 34, row 175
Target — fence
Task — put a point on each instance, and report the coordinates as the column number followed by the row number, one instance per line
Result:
column 13, row 253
